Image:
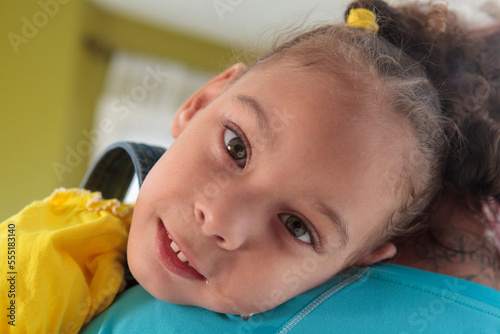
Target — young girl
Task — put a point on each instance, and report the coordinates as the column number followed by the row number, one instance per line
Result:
column 283, row 176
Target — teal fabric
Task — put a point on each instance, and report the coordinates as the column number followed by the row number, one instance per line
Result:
column 384, row 298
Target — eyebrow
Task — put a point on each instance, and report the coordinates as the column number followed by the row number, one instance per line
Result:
column 337, row 221
column 254, row 105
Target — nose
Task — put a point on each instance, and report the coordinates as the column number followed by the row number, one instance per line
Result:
column 231, row 222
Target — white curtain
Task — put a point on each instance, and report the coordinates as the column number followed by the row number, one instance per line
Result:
column 140, row 97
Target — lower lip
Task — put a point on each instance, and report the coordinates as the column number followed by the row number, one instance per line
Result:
column 169, row 258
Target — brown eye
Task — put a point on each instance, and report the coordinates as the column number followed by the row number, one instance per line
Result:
column 235, row 147
column 296, row 227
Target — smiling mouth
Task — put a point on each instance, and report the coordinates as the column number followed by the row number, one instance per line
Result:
column 172, row 257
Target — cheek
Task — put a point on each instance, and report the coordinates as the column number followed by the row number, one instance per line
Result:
column 259, row 286
column 192, row 156
column 170, row 179
column 140, row 256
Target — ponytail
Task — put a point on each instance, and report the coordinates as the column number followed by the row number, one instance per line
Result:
column 465, row 69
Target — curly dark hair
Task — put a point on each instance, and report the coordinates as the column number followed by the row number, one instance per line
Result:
column 464, row 68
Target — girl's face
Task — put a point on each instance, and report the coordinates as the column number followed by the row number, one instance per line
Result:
column 272, row 184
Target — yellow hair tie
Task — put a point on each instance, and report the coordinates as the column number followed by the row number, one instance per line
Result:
column 362, row 18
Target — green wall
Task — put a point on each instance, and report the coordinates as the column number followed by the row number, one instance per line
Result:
column 54, row 56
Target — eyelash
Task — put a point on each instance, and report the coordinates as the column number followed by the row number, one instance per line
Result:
column 239, row 134
column 314, row 242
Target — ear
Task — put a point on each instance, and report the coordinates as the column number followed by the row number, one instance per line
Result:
column 383, row 252
column 204, row 96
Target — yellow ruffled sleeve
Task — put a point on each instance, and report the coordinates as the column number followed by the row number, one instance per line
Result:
column 63, row 261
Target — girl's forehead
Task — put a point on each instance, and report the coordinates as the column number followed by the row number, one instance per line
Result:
column 310, row 104
column 315, row 90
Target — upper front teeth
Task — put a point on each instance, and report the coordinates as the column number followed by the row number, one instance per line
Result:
column 182, row 257
column 176, row 249
column 174, row 246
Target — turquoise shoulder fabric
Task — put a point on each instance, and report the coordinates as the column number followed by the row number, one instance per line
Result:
column 380, row 299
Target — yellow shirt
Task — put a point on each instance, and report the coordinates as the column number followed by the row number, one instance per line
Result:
column 62, row 263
